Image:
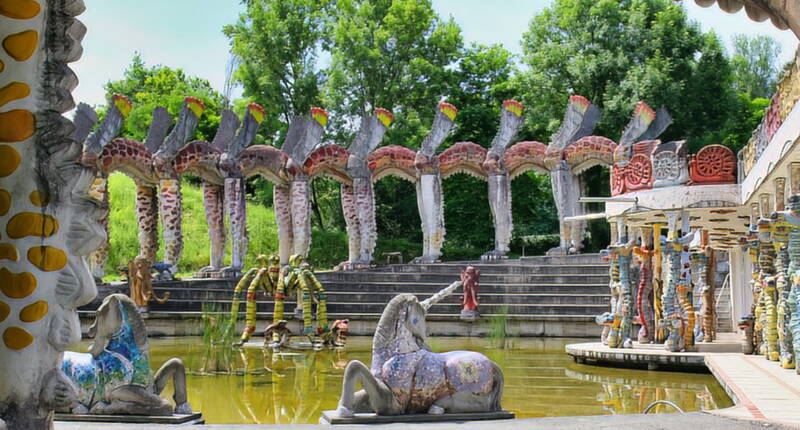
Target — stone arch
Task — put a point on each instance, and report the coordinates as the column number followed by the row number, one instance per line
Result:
column 463, row 157
column 392, row 160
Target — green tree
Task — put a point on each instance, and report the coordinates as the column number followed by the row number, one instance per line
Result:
column 617, row 52
column 755, row 64
column 149, row 87
column 278, row 44
column 392, row 54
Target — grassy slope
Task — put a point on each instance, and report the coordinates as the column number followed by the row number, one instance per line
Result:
column 328, row 248
column 123, row 231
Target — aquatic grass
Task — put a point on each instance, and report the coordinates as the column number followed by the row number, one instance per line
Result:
column 499, row 334
column 218, row 351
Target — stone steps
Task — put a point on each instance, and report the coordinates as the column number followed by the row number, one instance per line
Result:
column 548, row 296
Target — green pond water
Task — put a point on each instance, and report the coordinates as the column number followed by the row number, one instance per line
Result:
column 541, row 380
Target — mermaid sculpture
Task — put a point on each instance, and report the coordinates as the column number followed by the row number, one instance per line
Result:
column 114, row 378
column 407, row 378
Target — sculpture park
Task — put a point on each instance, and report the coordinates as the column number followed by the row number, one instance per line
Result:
column 378, row 216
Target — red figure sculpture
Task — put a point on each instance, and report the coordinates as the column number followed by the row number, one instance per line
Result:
column 470, row 278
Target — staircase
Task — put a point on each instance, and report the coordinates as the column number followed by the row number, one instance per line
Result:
column 533, row 296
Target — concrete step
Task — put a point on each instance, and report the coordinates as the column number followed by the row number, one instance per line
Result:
column 445, row 279
column 486, row 290
column 489, row 269
column 377, row 307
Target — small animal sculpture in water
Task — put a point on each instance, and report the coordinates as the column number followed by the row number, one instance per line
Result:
column 279, row 331
column 114, row 378
column 407, row 378
column 337, row 336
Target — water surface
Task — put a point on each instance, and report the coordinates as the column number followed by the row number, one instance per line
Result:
column 541, row 380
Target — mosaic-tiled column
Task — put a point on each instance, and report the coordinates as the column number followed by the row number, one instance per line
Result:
column 792, row 216
column 767, row 318
column 780, row 239
column 644, row 306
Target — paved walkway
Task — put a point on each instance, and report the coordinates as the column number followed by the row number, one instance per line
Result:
column 691, row 420
column 760, row 388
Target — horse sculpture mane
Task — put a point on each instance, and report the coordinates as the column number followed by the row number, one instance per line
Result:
column 135, row 320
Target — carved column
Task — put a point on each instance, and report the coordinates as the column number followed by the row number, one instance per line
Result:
column 644, row 306
column 213, row 197
column 99, row 258
column 147, row 219
column 236, row 207
column 780, row 238
column 793, row 219
column 282, row 200
column 659, row 333
column 673, row 322
column 767, row 318
column 50, row 222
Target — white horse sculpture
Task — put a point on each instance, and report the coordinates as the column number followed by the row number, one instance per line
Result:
column 115, row 377
column 406, row 377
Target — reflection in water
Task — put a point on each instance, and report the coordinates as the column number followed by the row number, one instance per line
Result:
column 541, row 380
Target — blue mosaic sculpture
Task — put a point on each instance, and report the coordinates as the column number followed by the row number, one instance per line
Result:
column 114, row 378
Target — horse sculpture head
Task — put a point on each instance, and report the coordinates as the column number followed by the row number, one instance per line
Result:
column 116, row 314
column 402, row 327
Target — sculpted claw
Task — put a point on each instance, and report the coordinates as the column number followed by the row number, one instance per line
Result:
column 436, row 410
column 343, row 412
column 184, row 408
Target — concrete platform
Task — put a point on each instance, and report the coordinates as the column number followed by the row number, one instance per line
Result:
column 691, row 420
column 761, row 389
column 653, row 356
column 329, row 418
column 176, row 419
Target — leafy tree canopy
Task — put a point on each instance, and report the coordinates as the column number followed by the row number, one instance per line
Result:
column 755, row 64
column 278, row 43
column 615, row 53
column 149, row 87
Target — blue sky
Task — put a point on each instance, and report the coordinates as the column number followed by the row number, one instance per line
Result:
column 187, row 34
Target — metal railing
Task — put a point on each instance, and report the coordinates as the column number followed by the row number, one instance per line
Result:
column 662, row 402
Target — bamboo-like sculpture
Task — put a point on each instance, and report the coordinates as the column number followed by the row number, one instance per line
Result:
column 767, row 318
column 297, row 276
column 753, row 247
column 264, row 277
